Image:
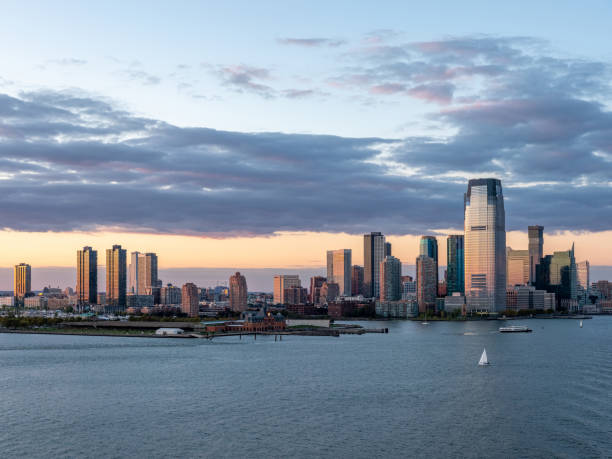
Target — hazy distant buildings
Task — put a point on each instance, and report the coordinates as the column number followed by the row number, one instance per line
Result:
column 357, row 281
column 22, row 281
column 373, row 253
column 339, row 267
column 485, row 246
column 116, row 276
column 455, row 271
column 238, row 292
column 517, row 267
column 390, row 279
column 283, row 282
column 87, row 276
column 426, row 284
column 536, row 250
column 190, row 301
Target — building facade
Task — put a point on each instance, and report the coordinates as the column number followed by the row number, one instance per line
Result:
column 373, row 253
column 390, row 279
column 116, row 276
column 517, row 267
column 147, row 273
column 133, row 273
column 238, row 292
column 536, row 250
column 485, row 246
column 583, row 274
column 427, row 286
column 22, row 281
column 282, row 282
column 316, row 282
column 455, row 271
column 357, row 281
column 87, row 276
column 339, row 268
column 190, row 300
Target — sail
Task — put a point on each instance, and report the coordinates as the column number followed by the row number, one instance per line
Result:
column 483, row 358
column 581, row 324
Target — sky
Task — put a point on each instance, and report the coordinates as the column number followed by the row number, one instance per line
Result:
column 260, row 134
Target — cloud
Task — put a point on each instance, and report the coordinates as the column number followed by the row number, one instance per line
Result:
column 311, row 42
column 245, row 78
column 67, row 61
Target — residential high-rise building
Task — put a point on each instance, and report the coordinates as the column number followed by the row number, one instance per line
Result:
column 316, row 283
column 238, row 292
column 190, row 300
column 373, row 254
column 133, row 274
column 339, row 267
column 563, row 273
column 583, row 274
column 87, row 276
column 22, row 280
column 426, row 284
column 116, row 276
column 147, row 273
column 428, row 246
column 536, row 250
column 517, row 267
column 282, row 282
column 390, row 279
column 357, row 281
column 329, row 291
column 387, row 249
column 485, row 246
column 170, row 295
column 455, row 272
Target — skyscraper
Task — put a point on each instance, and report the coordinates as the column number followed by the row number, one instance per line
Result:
column 390, row 279
column 282, row 282
column 428, row 246
column 238, row 292
column 190, row 300
column 357, row 280
column 316, row 283
column 133, row 274
column 536, row 250
column 485, row 246
column 583, row 274
column 387, row 249
column 517, row 267
column 147, row 273
column 22, row 280
column 563, row 273
column 373, row 254
column 116, row 273
column 427, row 287
column 339, row 267
column 455, row 272
column 87, row 276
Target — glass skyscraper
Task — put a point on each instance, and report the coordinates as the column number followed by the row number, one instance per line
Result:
column 373, row 253
column 455, row 271
column 428, row 246
column 536, row 250
column 485, row 246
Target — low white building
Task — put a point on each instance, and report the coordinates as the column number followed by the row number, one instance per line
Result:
column 169, row 331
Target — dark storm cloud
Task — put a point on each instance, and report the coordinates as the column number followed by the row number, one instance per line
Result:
column 540, row 123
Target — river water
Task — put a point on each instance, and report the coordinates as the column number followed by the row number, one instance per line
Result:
column 415, row 392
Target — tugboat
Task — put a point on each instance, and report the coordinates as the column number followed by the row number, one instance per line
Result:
column 515, row 329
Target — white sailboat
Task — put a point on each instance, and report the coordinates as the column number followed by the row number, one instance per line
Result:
column 581, row 324
column 483, row 358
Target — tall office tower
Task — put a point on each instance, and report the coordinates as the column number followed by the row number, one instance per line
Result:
column 517, row 267
column 133, row 274
column 536, row 250
column 282, row 282
column 190, row 300
column 116, row 273
column 583, row 274
column 357, row 281
column 387, row 249
column 428, row 246
column 147, row 273
column 390, row 279
column 373, row 254
column 316, row 283
column 563, row 273
column 87, row 276
column 485, row 246
column 427, row 285
column 454, row 265
column 22, row 280
column 339, row 267
column 238, row 292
